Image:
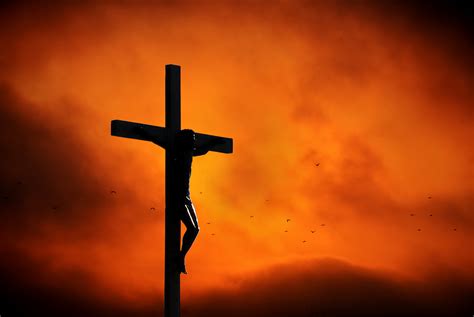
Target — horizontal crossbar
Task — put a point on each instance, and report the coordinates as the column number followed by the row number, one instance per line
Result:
column 145, row 132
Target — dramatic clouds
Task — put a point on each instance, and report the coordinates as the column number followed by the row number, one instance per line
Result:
column 324, row 287
column 59, row 215
column 352, row 119
column 330, row 287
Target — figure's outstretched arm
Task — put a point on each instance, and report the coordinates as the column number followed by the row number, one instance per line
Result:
column 204, row 148
column 144, row 133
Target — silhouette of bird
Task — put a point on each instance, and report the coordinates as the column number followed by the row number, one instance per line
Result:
column 251, row 216
column 419, row 229
column 200, row 192
column 304, row 241
column 454, row 229
column 213, row 234
column 113, row 192
column 317, row 164
column 431, row 215
column 412, row 215
column 322, row 225
column 287, row 220
column 267, row 200
column 152, row 208
column 429, row 197
column 208, row 223
column 313, row 231
column 286, row 230
column 54, row 207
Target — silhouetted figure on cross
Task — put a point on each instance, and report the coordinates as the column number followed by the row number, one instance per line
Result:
column 185, row 150
column 183, row 158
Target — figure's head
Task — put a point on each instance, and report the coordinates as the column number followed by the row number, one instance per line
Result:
column 185, row 139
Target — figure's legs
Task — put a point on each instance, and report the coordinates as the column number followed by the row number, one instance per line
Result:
column 189, row 218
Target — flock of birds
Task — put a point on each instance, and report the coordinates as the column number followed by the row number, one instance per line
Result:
column 113, row 192
column 288, row 220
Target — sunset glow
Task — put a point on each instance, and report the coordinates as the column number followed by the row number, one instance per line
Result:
column 352, row 125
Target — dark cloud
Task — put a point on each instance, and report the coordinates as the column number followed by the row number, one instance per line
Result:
column 443, row 24
column 48, row 172
column 53, row 209
column 453, row 16
column 28, row 289
column 334, row 288
column 324, row 287
column 51, row 195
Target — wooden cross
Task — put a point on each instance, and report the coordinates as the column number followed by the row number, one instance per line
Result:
column 165, row 137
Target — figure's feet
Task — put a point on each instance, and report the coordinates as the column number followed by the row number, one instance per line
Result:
column 182, row 265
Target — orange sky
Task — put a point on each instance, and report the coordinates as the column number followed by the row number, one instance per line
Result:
column 383, row 105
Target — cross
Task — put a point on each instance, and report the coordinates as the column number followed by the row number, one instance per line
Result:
column 165, row 137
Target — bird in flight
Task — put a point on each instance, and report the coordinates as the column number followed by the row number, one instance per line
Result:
column 419, row 229
column 213, row 234
column 317, row 164
column 200, row 192
column 54, row 207
column 113, row 192
column 208, row 223
column 431, row 215
column 152, row 208
column 322, row 225
column 429, row 197
column 304, row 241
column 251, row 216
column 313, row 231
column 412, row 215
column 286, row 230
column 287, row 220
column 454, row 229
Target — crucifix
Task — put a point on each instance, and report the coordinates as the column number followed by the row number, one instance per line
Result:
column 169, row 138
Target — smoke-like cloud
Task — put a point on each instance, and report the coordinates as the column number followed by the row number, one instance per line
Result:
column 329, row 287
column 41, row 153
column 64, row 216
column 313, row 287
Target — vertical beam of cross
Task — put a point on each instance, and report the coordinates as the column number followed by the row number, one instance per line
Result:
column 172, row 221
